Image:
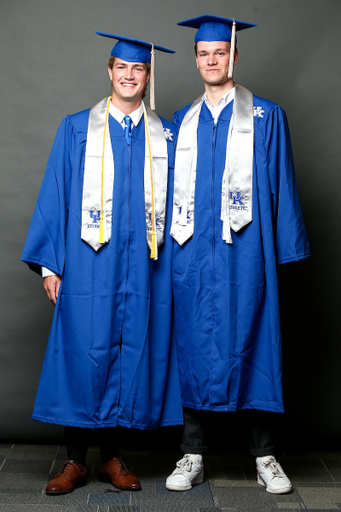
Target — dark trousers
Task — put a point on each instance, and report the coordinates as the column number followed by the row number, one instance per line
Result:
column 77, row 442
column 260, row 440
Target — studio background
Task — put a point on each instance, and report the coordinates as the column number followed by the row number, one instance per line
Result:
column 53, row 64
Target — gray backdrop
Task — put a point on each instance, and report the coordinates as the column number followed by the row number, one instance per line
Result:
column 53, row 64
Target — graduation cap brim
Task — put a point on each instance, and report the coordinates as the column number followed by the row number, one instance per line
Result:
column 197, row 22
column 135, row 41
column 214, row 28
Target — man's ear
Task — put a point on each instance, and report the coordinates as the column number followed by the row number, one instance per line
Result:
column 110, row 72
column 236, row 55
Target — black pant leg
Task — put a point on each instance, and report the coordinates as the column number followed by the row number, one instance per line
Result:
column 77, row 442
column 260, row 440
column 193, row 432
column 261, row 427
column 108, row 443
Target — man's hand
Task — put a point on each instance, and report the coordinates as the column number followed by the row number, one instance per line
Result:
column 51, row 286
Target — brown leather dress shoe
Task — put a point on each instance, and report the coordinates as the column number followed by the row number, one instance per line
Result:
column 70, row 476
column 115, row 472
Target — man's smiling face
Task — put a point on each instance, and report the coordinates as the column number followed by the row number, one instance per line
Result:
column 129, row 79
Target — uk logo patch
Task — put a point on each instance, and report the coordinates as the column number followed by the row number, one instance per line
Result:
column 158, row 222
column 258, row 112
column 190, row 215
column 95, row 216
column 237, row 200
column 168, row 134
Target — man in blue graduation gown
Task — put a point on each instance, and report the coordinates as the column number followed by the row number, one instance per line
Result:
column 100, row 237
column 236, row 215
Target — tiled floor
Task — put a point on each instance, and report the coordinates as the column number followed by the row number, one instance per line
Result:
column 229, row 484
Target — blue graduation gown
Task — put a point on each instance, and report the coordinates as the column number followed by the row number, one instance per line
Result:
column 226, row 296
column 117, row 293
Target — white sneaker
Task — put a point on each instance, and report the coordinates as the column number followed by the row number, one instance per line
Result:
column 270, row 474
column 189, row 471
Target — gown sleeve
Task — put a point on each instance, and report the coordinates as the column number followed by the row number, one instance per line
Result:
column 291, row 242
column 45, row 243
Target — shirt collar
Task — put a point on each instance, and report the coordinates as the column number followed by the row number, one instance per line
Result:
column 225, row 100
column 119, row 116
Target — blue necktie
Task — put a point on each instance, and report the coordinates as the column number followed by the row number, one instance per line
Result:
column 127, row 133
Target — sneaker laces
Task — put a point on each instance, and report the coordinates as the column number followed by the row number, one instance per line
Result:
column 183, row 465
column 274, row 467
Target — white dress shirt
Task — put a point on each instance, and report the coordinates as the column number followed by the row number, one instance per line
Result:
column 119, row 116
column 225, row 100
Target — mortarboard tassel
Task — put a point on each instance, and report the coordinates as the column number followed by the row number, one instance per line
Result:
column 152, row 83
column 232, row 49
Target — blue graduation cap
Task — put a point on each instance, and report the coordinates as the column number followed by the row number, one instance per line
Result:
column 215, row 28
column 135, row 50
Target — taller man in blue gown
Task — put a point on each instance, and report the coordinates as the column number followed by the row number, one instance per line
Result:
column 236, row 215
column 100, row 238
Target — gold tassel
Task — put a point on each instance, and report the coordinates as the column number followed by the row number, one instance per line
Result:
column 152, row 79
column 101, row 230
column 232, row 49
column 152, row 251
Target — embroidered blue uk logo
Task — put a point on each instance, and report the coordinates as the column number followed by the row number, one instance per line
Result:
column 168, row 134
column 258, row 112
column 190, row 214
column 158, row 221
column 237, row 197
column 95, row 215
column 237, row 201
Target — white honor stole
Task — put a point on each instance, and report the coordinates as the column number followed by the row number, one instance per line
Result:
column 236, row 197
column 99, row 175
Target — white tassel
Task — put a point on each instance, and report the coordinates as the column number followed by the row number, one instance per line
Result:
column 152, row 82
column 232, row 49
